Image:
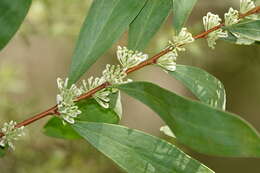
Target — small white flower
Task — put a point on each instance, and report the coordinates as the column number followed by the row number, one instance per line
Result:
column 246, row 5
column 102, row 96
column 114, row 74
column 11, row 134
column 210, row 21
column 65, row 100
column 183, row 38
column 232, row 17
column 129, row 58
column 168, row 61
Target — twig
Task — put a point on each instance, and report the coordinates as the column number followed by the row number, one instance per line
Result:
column 54, row 110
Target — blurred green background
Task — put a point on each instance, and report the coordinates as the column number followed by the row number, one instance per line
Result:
column 41, row 51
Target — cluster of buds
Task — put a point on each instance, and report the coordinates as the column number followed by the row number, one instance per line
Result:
column 231, row 17
column 129, row 58
column 246, row 5
column 116, row 74
column 184, row 37
column 210, row 21
column 11, row 134
column 168, row 61
column 113, row 74
column 102, row 96
column 65, row 100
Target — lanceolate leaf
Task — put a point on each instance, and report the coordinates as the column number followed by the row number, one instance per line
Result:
column 231, row 38
column 105, row 23
column 56, row 128
column 203, row 85
column 12, row 14
column 135, row 151
column 181, row 12
column 248, row 28
column 91, row 111
column 147, row 23
column 203, row 128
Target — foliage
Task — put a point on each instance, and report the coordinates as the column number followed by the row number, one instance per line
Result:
column 202, row 125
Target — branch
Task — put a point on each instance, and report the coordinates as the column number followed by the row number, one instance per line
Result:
column 54, row 110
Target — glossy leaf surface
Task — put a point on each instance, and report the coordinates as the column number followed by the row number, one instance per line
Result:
column 247, row 28
column 105, row 23
column 203, row 85
column 147, row 23
column 203, row 128
column 12, row 14
column 135, row 151
column 181, row 12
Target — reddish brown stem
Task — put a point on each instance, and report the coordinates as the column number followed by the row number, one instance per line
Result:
column 204, row 34
column 149, row 61
column 54, row 110
column 253, row 11
column 91, row 92
column 51, row 111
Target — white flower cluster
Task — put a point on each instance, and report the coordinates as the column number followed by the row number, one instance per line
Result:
column 129, row 58
column 246, row 5
column 11, row 134
column 65, row 100
column 102, row 96
column 168, row 61
column 231, row 17
column 184, row 37
column 114, row 74
column 210, row 21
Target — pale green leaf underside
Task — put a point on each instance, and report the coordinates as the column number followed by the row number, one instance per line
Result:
column 203, row 128
column 12, row 14
column 105, row 23
column 135, row 151
column 203, row 85
column 248, row 28
column 181, row 12
column 147, row 23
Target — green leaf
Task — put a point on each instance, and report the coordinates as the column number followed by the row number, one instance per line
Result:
column 12, row 14
column 116, row 104
column 247, row 28
column 181, row 12
column 55, row 128
column 105, row 23
column 147, row 23
column 3, row 151
column 230, row 38
column 203, row 85
column 135, row 151
column 203, row 128
column 91, row 111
